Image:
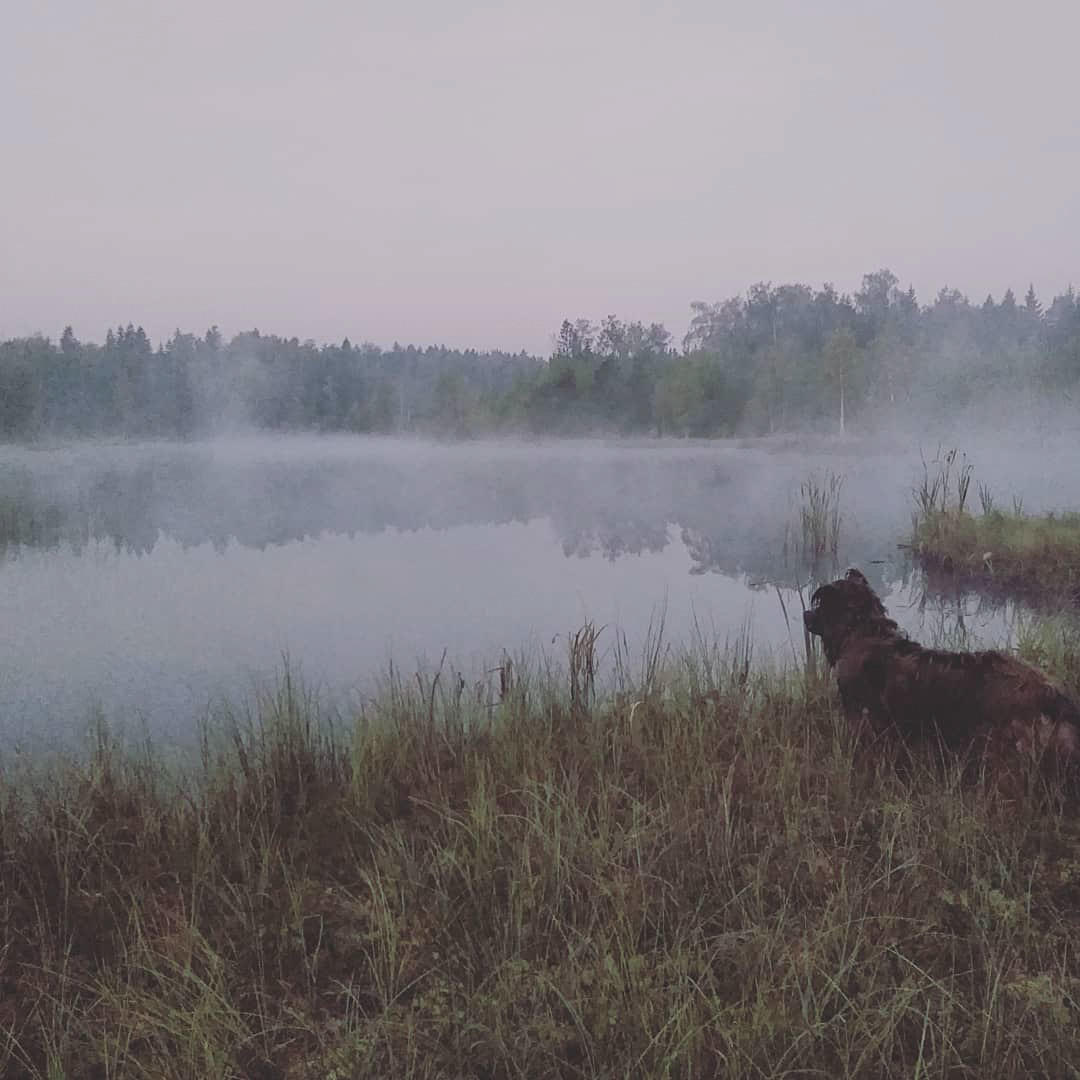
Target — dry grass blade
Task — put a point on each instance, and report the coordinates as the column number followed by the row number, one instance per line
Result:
column 583, row 664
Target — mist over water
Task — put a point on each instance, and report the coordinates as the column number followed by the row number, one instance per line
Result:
column 149, row 580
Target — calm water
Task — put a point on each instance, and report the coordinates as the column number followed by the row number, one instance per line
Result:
column 149, row 580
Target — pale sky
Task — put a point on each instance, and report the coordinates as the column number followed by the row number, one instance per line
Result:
column 472, row 173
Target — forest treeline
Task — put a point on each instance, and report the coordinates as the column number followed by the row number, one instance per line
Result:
column 779, row 358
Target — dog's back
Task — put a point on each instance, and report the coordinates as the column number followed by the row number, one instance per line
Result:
column 890, row 683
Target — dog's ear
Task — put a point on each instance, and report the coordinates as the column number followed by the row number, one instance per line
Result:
column 867, row 596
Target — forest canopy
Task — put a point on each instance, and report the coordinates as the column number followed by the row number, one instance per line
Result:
column 779, row 358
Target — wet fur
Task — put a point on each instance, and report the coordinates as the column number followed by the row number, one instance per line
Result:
column 987, row 701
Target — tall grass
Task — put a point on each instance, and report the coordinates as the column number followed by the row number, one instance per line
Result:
column 813, row 546
column 812, row 542
column 810, row 658
column 946, row 472
column 680, row 872
column 820, row 514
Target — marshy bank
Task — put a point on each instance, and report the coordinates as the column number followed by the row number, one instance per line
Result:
column 675, row 868
column 1000, row 552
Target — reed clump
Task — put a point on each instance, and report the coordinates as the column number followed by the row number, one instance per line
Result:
column 682, row 872
column 812, row 543
column 820, row 516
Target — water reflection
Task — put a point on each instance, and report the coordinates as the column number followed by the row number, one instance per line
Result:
column 735, row 509
column 731, row 506
column 147, row 578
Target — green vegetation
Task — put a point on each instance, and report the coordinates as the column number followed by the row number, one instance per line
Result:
column 811, row 547
column 683, row 872
column 780, row 358
column 1007, row 552
column 820, row 515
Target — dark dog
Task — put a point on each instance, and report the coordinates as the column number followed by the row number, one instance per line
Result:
column 987, row 701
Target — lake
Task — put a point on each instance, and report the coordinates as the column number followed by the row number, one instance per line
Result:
column 147, row 580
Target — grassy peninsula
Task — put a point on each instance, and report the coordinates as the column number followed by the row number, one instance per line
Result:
column 1001, row 552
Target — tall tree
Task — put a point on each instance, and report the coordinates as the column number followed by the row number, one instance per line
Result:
column 840, row 356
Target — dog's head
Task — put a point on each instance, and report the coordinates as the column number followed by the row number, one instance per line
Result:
column 840, row 607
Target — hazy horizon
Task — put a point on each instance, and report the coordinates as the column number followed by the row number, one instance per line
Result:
column 473, row 176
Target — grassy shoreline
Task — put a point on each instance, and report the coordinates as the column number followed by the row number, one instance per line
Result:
column 688, row 874
column 1036, row 557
